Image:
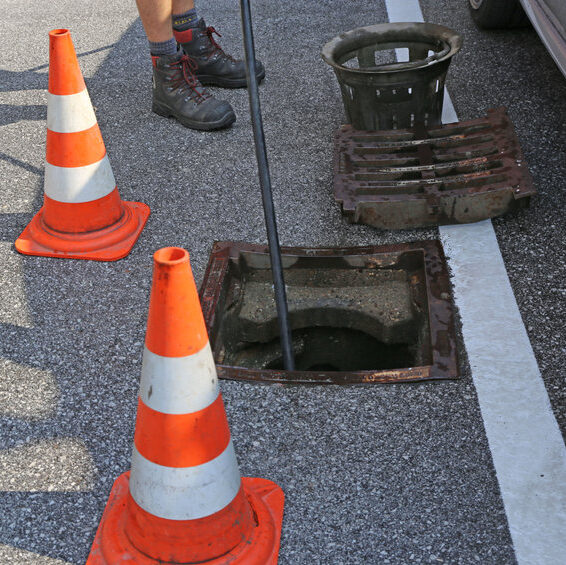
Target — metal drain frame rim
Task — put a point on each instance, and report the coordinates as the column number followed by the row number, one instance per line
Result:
column 440, row 305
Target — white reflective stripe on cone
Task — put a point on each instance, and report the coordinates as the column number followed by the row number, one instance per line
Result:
column 70, row 113
column 185, row 493
column 179, row 385
column 79, row 184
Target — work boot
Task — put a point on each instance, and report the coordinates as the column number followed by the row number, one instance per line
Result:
column 214, row 66
column 178, row 93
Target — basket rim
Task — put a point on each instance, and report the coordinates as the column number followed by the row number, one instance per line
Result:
column 405, row 31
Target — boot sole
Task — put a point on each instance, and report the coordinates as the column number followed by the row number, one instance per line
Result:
column 166, row 112
column 213, row 80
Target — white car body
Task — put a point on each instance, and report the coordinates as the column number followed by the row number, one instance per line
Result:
column 549, row 20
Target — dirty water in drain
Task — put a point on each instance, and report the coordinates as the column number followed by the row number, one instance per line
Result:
column 327, row 349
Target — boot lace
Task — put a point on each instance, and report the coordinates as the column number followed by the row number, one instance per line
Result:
column 185, row 76
column 215, row 46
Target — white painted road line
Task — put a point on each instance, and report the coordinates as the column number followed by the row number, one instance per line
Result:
column 525, row 442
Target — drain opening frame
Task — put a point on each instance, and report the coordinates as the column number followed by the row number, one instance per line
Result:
column 440, row 319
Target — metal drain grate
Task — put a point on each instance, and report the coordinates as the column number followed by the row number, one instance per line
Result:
column 451, row 174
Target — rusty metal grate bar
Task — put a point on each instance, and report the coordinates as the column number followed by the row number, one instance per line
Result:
column 455, row 173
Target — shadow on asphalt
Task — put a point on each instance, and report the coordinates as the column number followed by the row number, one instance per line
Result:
column 82, row 333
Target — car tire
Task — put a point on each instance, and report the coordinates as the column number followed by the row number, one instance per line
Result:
column 498, row 14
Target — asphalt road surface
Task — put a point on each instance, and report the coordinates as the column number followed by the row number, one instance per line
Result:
column 378, row 474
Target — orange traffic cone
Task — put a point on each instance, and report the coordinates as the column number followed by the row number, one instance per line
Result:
column 82, row 215
column 184, row 500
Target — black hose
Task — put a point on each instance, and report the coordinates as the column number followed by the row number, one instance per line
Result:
column 265, row 183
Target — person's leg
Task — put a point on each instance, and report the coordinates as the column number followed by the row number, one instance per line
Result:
column 180, row 6
column 156, row 20
column 176, row 90
column 214, row 65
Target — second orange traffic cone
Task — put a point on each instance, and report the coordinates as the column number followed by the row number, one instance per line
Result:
column 82, row 216
column 184, row 500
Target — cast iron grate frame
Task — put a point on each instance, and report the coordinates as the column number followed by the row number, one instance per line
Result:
column 441, row 319
column 449, row 174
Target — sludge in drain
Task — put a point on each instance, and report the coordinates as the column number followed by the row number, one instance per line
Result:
column 326, row 349
column 370, row 314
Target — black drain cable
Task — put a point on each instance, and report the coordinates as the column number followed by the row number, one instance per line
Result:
column 266, row 194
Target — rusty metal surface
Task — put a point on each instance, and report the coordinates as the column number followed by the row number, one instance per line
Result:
column 429, row 280
column 456, row 173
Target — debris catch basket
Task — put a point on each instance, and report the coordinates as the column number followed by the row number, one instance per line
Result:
column 382, row 93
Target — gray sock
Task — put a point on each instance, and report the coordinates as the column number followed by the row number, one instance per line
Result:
column 186, row 20
column 158, row 48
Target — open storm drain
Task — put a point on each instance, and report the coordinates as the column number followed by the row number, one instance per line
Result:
column 456, row 173
column 358, row 315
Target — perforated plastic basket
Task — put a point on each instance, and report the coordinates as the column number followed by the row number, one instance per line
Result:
column 380, row 93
